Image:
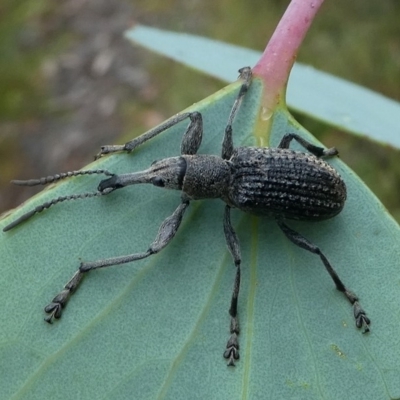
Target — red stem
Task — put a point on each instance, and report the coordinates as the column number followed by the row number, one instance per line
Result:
column 278, row 58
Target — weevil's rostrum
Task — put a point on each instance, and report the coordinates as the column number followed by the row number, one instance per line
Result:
column 277, row 182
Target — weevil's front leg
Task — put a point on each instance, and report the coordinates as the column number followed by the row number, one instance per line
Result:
column 190, row 143
column 165, row 234
column 316, row 150
column 227, row 144
column 359, row 314
column 231, row 352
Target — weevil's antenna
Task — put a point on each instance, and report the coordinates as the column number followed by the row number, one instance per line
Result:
column 57, row 177
column 48, row 204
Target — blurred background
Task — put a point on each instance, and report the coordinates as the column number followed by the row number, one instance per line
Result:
column 70, row 82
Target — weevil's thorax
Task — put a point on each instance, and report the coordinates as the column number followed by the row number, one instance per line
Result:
column 206, row 177
column 286, row 183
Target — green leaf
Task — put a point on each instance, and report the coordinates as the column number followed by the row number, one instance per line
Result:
column 320, row 95
column 157, row 328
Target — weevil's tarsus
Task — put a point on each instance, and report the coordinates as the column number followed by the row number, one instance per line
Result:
column 362, row 321
column 164, row 236
column 54, row 309
column 232, row 349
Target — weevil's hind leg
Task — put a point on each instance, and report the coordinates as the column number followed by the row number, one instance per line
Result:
column 316, row 150
column 165, row 234
column 362, row 321
column 227, row 144
column 190, row 143
column 231, row 352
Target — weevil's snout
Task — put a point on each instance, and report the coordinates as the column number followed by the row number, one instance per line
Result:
column 168, row 173
column 108, row 185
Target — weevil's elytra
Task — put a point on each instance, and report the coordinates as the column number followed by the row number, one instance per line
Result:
column 285, row 182
column 277, row 182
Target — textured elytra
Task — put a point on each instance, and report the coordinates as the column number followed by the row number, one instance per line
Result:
column 284, row 182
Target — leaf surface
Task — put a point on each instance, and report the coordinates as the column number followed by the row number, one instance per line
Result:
column 312, row 92
column 157, row 328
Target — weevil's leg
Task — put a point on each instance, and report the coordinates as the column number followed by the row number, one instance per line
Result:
column 165, row 234
column 231, row 352
column 316, row 150
column 359, row 314
column 227, row 144
column 191, row 140
column 190, row 143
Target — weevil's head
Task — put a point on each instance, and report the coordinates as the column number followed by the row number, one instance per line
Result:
column 167, row 173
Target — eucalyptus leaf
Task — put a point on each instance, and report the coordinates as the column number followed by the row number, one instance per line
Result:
column 318, row 94
column 157, row 328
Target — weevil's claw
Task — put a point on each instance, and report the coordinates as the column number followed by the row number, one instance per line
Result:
column 245, row 73
column 362, row 321
column 54, row 311
column 55, row 307
column 107, row 149
column 361, row 317
column 232, row 350
column 103, row 150
column 330, row 152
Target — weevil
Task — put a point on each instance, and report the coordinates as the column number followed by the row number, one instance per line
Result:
column 277, row 182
